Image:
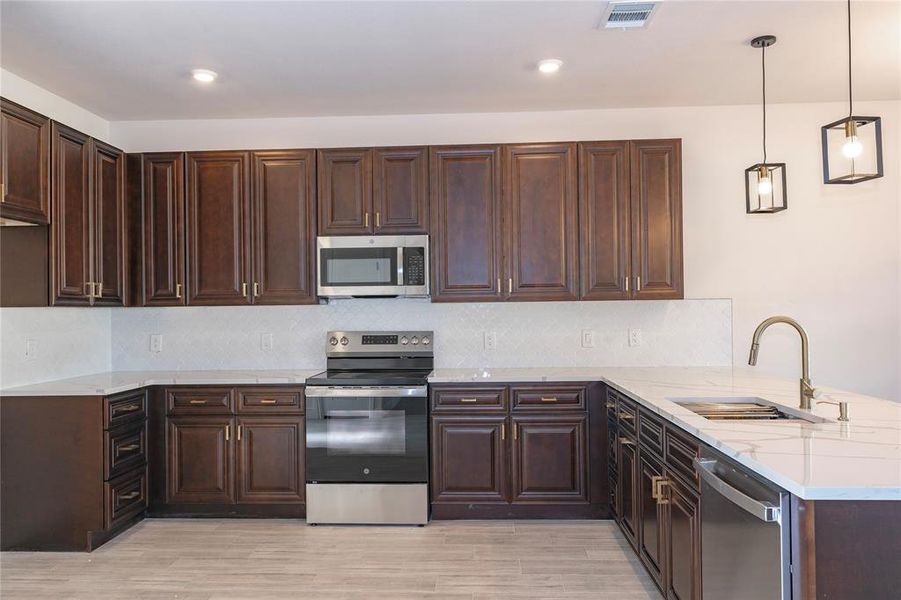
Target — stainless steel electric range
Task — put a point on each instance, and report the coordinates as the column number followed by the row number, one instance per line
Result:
column 367, row 457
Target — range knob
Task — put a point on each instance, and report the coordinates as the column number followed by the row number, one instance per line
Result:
column 333, row 341
column 415, row 340
column 404, row 341
column 344, row 341
column 426, row 340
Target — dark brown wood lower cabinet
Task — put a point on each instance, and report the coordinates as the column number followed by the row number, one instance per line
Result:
column 201, row 458
column 651, row 528
column 469, row 459
column 627, row 471
column 549, row 458
column 683, row 541
column 270, row 459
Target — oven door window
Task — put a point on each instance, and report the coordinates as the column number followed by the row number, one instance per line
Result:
column 363, row 439
column 358, row 267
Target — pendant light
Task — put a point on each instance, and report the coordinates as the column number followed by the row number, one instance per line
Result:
column 765, row 182
column 852, row 147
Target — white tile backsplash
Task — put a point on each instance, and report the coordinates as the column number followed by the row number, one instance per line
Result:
column 674, row 333
column 67, row 342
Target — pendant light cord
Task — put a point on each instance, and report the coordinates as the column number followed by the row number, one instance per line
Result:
column 850, row 98
column 763, row 71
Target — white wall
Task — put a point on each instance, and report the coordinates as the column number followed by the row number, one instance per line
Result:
column 13, row 87
column 832, row 260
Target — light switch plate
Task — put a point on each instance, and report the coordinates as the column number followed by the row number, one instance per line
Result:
column 31, row 349
column 490, row 340
column 587, row 338
column 265, row 342
column 635, row 337
column 156, row 343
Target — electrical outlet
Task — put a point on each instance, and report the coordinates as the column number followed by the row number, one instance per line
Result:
column 587, row 338
column 635, row 337
column 490, row 340
column 265, row 342
column 31, row 349
column 156, row 342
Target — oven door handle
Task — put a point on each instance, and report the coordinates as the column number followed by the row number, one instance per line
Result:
column 764, row 511
column 367, row 392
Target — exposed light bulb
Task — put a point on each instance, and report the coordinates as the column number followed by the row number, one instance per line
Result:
column 852, row 147
column 549, row 65
column 764, row 186
column 204, row 75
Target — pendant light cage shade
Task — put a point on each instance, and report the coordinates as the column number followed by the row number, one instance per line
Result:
column 765, row 188
column 852, row 150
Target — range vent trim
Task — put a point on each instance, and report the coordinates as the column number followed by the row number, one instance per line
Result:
column 629, row 14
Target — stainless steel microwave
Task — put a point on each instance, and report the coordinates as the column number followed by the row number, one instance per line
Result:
column 372, row 265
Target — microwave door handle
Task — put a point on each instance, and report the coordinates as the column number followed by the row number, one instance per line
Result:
column 400, row 265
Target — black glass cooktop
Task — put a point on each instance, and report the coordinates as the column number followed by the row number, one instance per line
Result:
column 371, row 378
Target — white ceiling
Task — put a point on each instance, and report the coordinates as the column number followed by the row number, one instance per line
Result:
column 131, row 60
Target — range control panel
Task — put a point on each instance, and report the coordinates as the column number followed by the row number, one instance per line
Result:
column 383, row 342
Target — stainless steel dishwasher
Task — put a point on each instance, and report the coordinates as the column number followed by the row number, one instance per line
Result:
column 745, row 534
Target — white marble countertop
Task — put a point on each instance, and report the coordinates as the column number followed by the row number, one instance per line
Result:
column 857, row 460
column 113, row 382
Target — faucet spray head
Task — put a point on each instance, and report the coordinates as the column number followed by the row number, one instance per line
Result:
column 752, row 359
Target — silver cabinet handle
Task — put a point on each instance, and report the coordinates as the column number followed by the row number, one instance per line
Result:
column 366, row 220
column 764, row 511
column 244, row 289
column 638, row 283
column 256, row 289
column 378, row 221
column 178, row 290
column 510, row 285
column 627, row 282
column 498, row 286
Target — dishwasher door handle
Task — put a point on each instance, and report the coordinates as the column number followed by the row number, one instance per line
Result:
column 764, row 511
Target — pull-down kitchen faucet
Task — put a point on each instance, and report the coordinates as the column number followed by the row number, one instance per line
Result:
column 807, row 390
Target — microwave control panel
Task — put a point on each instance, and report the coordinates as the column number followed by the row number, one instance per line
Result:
column 414, row 266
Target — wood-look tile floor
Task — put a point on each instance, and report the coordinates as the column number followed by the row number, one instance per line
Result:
column 199, row 559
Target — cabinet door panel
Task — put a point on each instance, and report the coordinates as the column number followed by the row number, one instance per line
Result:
column 550, row 461
column 345, row 192
column 270, row 459
column 164, row 229
column 70, row 260
column 683, row 524
column 540, row 225
column 284, row 199
column 109, row 224
column 469, row 459
column 657, row 218
column 627, row 472
column 218, row 228
column 25, row 160
column 400, row 190
column 466, row 223
column 201, row 460
column 651, row 537
column 604, row 220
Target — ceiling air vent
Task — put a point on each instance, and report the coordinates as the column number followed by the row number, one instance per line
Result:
column 627, row 15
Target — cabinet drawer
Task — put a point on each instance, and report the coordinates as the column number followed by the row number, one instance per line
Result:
column 469, row 399
column 124, row 449
column 203, row 401
column 680, row 454
column 129, row 407
column 125, row 497
column 570, row 397
column 611, row 404
column 627, row 414
column 650, row 434
column 269, row 400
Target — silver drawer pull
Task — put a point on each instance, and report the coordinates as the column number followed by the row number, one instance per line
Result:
column 127, row 409
column 130, row 447
column 268, row 401
column 129, row 496
column 469, row 399
column 198, row 402
column 551, row 399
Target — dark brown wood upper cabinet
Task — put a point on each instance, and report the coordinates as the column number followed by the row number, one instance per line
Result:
column 400, row 190
column 345, row 191
column 284, row 227
column 656, row 196
column 70, row 256
column 164, row 229
column 24, row 164
column 109, row 224
column 465, row 206
column 550, row 458
column 218, row 227
column 605, row 246
column 540, row 225
column 270, row 457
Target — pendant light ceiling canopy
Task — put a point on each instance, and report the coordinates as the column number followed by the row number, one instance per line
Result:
column 765, row 181
column 852, row 146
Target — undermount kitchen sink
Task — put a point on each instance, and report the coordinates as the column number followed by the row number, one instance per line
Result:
column 744, row 409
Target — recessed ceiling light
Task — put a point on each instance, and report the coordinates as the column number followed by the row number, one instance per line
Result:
column 549, row 65
column 204, row 75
